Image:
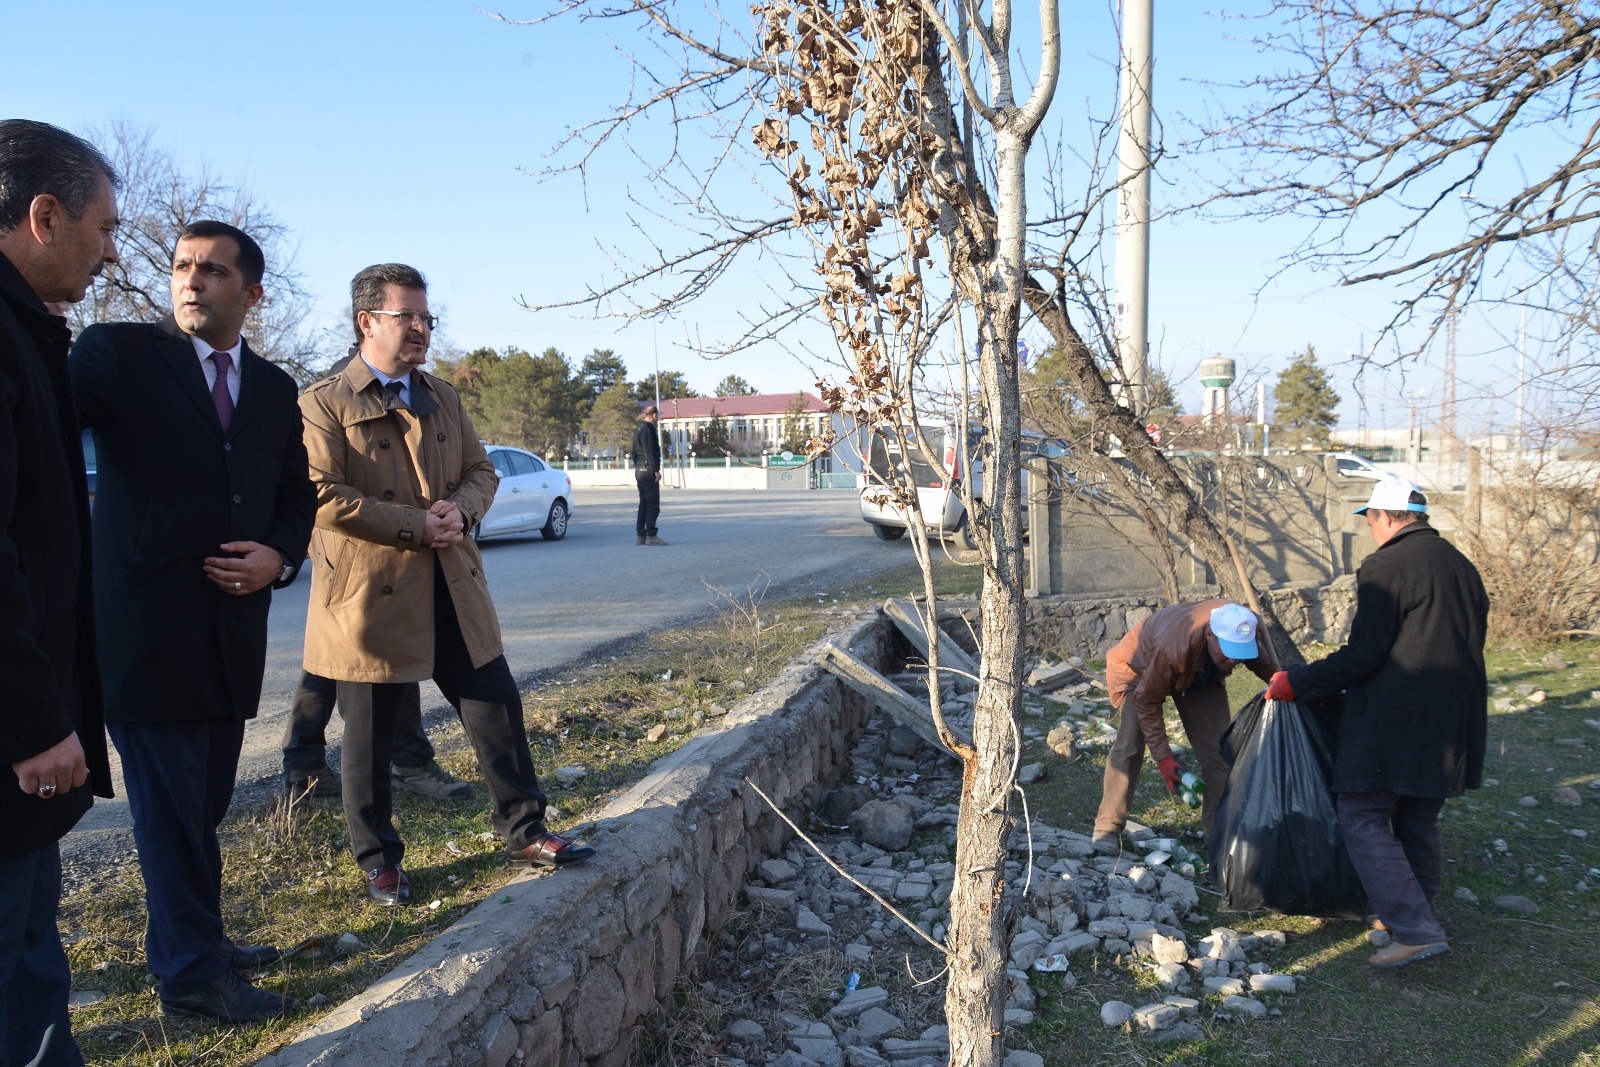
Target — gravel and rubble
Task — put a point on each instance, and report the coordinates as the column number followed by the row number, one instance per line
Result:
column 815, row 972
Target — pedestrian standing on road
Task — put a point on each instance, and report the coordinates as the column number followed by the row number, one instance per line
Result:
column 647, row 472
column 399, row 593
column 202, row 508
column 1415, row 716
column 58, row 221
column 1185, row 652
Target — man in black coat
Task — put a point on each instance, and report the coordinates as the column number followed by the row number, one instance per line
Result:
column 58, row 217
column 203, row 506
column 647, row 473
column 1415, row 713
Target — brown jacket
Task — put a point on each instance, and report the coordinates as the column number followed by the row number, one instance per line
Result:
column 377, row 467
column 1162, row 656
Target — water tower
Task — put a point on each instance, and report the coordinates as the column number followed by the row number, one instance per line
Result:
column 1216, row 374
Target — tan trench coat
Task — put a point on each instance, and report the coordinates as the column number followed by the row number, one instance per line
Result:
column 377, row 468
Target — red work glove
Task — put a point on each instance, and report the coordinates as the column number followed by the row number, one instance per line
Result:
column 1279, row 688
column 1171, row 772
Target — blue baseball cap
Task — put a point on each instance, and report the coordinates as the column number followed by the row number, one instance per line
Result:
column 1235, row 628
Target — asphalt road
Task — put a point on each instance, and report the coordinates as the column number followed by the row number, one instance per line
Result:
column 561, row 602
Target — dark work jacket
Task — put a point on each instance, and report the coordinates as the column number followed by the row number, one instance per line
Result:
column 171, row 489
column 50, row 684
column 1415, row 715
column 646, row 447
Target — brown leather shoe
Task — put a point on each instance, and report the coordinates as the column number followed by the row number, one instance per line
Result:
column 1398, row 955
column 548, row 850
column 388, row 886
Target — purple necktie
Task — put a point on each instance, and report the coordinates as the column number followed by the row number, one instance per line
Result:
column 219, row 391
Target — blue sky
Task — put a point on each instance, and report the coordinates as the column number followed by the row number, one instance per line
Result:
column 407, row 130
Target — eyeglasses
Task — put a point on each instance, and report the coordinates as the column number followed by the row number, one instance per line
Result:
column 410, row 318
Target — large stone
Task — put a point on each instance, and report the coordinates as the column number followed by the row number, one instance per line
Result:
column 839, row 805
column 1272, row 983
column 776, row 871
column 1063, row 742
column 1520, row 905
column 1115, row 1012
column 876, row 1024
column 884, row 823
column 594, row 1029
column 1245, row 1007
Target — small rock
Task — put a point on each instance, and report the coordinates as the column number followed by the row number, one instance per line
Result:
column 348, row 944
column 806, row 922
column 1168, row 949
column 1528, row 802
column 1565, row 794
column 776, row 871
column 1115, row 1012
column 852, row 1004
column 904, row 741
column 886, row 824
column 1153, row 1017
column 1272, row 983
column 82, row 998
column 1062, row 742
column 876, row 1024
column 569, row 776
column 1518, row 904
column 1245, row 1006
column 656, row 732
column 1378, row 938
column 1030, row 773
column 1023, row 1058
column 746, row 1030
column 1466, row 895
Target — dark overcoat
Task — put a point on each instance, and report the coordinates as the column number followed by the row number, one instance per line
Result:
column 172, row 488
column 1416, row 692
column 49, row 685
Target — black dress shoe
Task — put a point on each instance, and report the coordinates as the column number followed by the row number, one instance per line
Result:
column 231, row 999
column 388, row 886
column 548, row 850
column 247, row 957
column 319, row 783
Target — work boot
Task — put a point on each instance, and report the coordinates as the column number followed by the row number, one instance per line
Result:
column 654, row 540
column 430, row 780
column 641, row 539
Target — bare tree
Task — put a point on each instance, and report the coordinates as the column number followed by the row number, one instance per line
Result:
column 1434, row 145
column 158, row 199
column 895, row 136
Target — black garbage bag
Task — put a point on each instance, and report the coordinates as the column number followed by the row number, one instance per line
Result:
column 1275, row 840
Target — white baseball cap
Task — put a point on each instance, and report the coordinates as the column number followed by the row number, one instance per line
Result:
column 1392, row 494
column 1235, row 628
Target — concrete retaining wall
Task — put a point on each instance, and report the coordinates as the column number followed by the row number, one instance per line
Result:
column 561, row 966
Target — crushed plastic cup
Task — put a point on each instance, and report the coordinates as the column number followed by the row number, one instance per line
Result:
column 1056, row 961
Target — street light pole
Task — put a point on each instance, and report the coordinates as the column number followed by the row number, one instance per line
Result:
column 1133, row 200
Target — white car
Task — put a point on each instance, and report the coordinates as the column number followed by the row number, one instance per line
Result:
column 1353, row 466
column 532, row 496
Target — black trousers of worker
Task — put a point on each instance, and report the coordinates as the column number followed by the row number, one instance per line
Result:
column 649, row 502
column 305, row 741
column 490, row 706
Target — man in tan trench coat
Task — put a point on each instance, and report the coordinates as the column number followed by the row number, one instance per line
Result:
column 398, row 592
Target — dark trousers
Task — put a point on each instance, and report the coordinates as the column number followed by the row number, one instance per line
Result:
column 1205, row 715
column 305, row 743
column 34, row 978
column 490, row 706
column 649, row 502
column 180, row 781
column 1394, row 843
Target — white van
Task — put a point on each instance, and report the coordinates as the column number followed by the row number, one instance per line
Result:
column 939, row 502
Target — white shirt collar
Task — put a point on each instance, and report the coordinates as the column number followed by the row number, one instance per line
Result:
column 204, row 350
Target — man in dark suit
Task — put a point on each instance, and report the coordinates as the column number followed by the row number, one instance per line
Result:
column 58, row 217
column 203, row 506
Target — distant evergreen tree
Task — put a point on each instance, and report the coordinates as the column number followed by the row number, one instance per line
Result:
column 733, row 385
column 1307, row 403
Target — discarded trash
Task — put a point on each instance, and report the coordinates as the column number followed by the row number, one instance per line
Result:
column 1056, row 961
column 1156, row 859
column 855, row 980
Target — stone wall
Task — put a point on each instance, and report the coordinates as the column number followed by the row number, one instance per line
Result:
column 559, row 967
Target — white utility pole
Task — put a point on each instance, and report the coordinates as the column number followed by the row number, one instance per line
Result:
column 1133, row 200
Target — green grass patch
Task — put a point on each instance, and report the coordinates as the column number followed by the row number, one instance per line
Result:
column 1516, row 990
